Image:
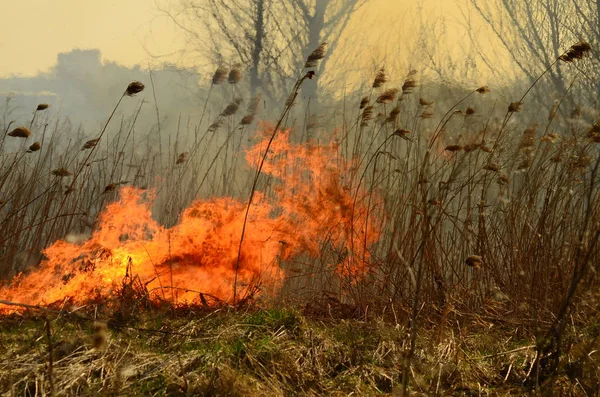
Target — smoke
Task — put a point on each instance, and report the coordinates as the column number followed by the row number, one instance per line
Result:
column 83, row 88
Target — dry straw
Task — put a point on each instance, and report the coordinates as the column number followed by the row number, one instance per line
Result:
column 99, row 334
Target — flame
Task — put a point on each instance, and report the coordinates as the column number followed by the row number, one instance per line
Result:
column 311, row 204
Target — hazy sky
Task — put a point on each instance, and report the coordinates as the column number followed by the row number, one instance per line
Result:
column 33, row 32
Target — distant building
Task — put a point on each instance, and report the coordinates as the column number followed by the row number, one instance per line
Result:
column 85, row 89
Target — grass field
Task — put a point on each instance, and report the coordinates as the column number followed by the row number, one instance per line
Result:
column 277, row 352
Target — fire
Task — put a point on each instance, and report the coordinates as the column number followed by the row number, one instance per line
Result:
column 310, row 204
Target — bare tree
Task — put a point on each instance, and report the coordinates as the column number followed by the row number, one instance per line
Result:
column 272, row 39
column 231, row 31
column 536, row 33
column 322, row 21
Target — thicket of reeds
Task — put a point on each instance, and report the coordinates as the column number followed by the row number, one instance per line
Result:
column 481, row 218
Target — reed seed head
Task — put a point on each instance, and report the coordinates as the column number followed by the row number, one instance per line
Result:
column 502, row 179
column 182, row 158
column 247, row 120
column 514, row 107
column 35, row 146
column 220, row 75
column 526, row 162
column 61, row 172
column 491, row 167
column 402, row 133
column 594, row 132
column 576, row 51
column 90, row 144
column 408, row 86
column 363, row 102
column 471, row 147
column 367, row 115
column 474, row 261
column 315, row 56
column 528, row 139
column 20, row 132
column 550, row 138
column 232, row 108
column 387, row 96
column 427, row 114
column 134, row 88
column 235, row 75
column 453, row 148
column 253, row 105
column 394, row 113
column 215, row 125
column 409, row 82
column 380, row 78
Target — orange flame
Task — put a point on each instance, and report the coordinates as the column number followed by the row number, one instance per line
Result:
column 310, row 205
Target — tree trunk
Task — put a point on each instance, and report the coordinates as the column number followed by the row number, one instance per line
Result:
column 316, row 25
column 259, row 25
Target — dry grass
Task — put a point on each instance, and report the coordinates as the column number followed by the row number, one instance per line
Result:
column 275, row 352
column 488, row 223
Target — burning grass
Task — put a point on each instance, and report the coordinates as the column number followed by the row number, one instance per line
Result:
column 199, row 254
